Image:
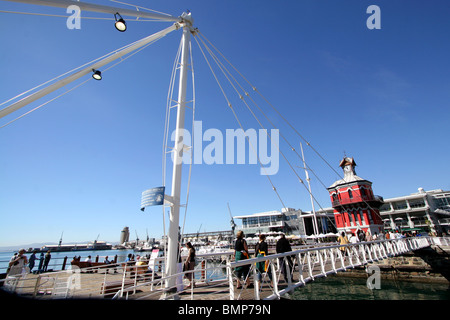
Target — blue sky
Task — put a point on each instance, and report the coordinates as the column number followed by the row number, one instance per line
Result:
column 79, row 164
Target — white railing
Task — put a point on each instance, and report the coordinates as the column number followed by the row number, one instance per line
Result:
column 215, row 273
column 305, row 265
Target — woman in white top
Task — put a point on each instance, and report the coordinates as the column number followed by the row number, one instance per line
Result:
column 18, row 264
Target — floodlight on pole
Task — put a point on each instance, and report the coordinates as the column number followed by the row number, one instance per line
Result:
column 97, row 75
column 120, row 23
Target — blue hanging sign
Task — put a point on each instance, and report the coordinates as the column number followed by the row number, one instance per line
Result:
column 152, row 197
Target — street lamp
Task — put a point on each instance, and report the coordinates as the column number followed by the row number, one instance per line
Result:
column 120, row 24
column 97, row 75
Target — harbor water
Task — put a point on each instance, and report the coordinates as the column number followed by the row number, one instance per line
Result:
column 346, row 288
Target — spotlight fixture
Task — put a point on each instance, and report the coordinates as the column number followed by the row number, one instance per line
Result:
column 97, row 75
column 120, row 24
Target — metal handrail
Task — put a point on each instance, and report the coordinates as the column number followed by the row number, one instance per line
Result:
column 307, row 264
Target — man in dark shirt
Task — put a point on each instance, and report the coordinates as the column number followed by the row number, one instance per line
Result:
column 283, row 245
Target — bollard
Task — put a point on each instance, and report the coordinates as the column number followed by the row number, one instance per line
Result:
column 64, row 263
column 203, row 270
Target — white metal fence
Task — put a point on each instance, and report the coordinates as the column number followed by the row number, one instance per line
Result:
column 215, row 274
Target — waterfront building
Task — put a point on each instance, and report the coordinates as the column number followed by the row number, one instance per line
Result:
column 355, row 206
column 289, row 221
column 423, row 211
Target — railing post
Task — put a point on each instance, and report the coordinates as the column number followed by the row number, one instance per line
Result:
column 333, row 261
column 350, row 255
column 363, row 252
column 123, row 279
column 394, row 247
column 369, row 251
column 355, row 250
column 322, row 266
column 230, row 280
column 274, row 280
column 384, row 250
column 36, row 286
column 389, row 248
column 374, row 249
column 339, row 251
column 256, row 283
column 308, row 255
column 64, row 263
column 203, row 268
column 300, row 268
column 288, row 271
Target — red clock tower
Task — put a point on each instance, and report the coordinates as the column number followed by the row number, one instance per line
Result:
column 355, row 206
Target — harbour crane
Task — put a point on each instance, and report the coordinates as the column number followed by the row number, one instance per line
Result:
column 233, row 225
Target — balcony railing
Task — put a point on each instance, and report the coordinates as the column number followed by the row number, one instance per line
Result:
column 355, row 199
column 261, row 225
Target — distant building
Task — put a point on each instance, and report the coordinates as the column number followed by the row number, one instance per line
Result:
column 427, row 211
column 289, row 221
column 355, row 206
column 124, row 235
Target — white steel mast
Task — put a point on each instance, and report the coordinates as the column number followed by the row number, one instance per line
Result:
column 184, row 21
column 316, row 229
column 174, row 199
column 85, row 6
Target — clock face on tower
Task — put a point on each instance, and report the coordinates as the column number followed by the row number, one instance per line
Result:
column 347, row 168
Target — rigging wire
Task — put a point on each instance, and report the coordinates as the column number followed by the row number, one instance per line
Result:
column 81, row 17
column 45, row 103
column 77, row 68
column 257, row 119
column 240, row 124
column 222, row 67
column 137, row 7
column 290, row 125
column 271, row 105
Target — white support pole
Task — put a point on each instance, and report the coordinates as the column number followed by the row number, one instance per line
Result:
column 85, row 6
column 315, row 226
column 72, row 77
column 172, row 260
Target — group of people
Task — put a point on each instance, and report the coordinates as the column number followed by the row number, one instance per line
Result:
column 362, row 236
column 283, row 245
column 137, row 266
column 261, row 250
column 20, row 264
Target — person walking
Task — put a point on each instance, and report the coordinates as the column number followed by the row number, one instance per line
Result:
column 41, row 262
column 32, row 261
column 189, row 265
column 47, row 258
column 18, row 264
column 241, row 253
column 262, row 250
column 343, row 240
column 282, row 246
